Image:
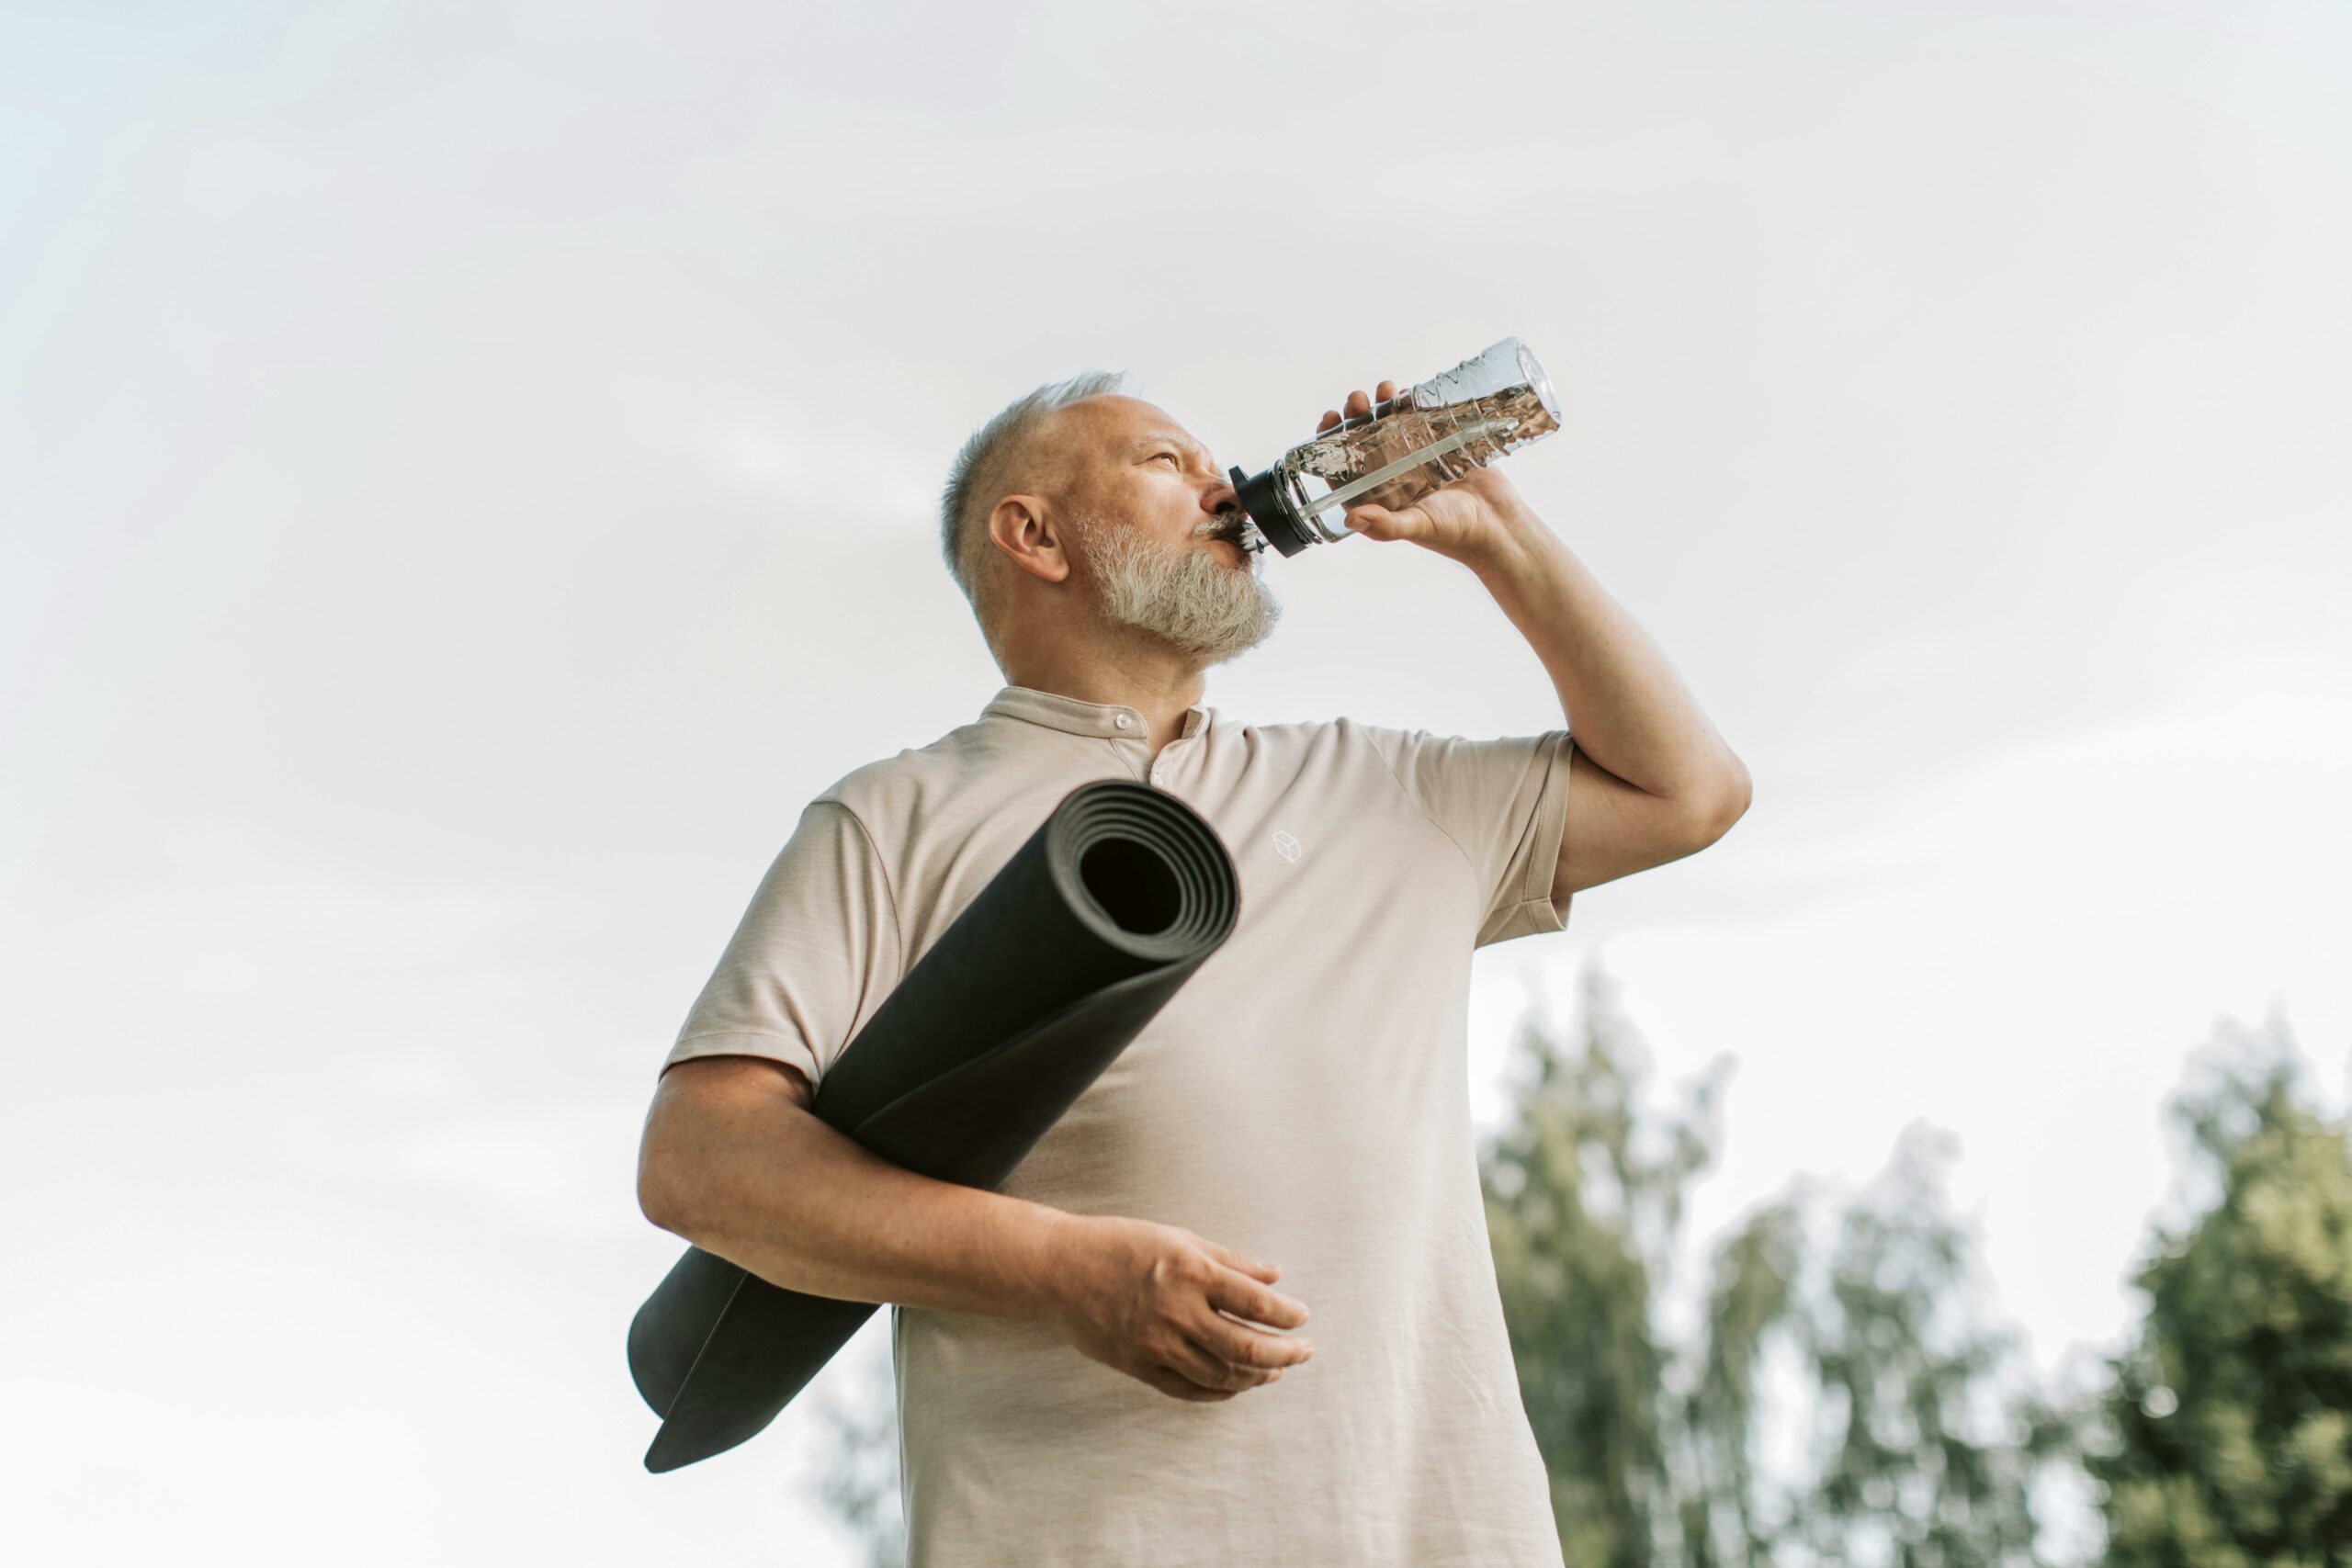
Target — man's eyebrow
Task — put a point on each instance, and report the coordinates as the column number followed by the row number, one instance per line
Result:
column 1169, row 437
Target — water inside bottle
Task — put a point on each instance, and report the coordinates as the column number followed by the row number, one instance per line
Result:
column 1352, row 449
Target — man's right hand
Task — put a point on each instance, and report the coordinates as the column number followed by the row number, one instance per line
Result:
column 1152, row 1301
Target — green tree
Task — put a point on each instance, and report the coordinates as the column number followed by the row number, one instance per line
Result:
column 1584, row 1205
column 1931, row 1445
column 2225, row 1439
column 1921, row 1458
column 860, row 1480
column 1750, row 1295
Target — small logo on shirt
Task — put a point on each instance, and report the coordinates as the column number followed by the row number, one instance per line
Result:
column 1284, row 845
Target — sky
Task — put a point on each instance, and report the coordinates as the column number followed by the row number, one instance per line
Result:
column 467, row 475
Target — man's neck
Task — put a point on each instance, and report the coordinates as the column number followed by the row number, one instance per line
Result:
column 1162, row 696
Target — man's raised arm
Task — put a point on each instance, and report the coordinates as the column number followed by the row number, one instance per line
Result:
column 1650, row 780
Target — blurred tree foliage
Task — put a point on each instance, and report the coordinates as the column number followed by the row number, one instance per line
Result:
column 1917, row 1456
column 2225, row 1440
column 860, row 1479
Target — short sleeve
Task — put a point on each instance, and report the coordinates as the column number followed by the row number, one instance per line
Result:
column 814, row 953
column 1505, row 805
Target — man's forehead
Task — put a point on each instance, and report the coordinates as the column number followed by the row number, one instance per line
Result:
column 1124, row 425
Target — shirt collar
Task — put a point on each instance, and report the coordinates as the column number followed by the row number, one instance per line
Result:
column 1107, row 721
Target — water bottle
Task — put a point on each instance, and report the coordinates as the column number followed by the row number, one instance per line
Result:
column 1426, row 436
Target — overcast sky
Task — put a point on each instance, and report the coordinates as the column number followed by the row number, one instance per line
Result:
column 465, row 480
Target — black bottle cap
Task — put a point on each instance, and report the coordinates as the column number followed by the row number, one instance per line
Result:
column 1262, row 498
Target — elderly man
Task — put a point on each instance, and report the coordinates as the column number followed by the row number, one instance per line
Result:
column 1111, row 1361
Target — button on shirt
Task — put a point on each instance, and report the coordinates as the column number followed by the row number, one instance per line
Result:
column 1303, row 1098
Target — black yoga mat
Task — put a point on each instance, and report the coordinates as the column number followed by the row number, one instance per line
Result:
column 1028, row 995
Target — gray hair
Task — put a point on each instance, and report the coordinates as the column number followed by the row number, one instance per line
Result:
column 979, row 468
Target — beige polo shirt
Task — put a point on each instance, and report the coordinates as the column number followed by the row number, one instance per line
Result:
column 1302, row 1099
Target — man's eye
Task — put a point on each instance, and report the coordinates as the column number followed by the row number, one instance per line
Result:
column 1169, row 456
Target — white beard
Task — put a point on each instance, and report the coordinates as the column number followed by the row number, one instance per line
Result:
column 1185, row 595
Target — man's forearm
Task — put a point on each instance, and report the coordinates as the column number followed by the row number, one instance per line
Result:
column 781, row 1192
column 1631, row 713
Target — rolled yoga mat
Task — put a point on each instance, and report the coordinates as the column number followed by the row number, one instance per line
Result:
column 1028, row 995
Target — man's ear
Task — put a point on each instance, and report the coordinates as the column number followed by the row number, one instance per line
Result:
column 1018, row 523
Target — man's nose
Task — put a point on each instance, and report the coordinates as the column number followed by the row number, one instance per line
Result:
column 1221, row 498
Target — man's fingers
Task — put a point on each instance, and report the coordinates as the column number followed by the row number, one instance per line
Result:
column 1245, row 1346
column 1233, row 1260
column 1205, row 1367
column 1180, row 1386
column 1360, row 402
column 1246, row 1298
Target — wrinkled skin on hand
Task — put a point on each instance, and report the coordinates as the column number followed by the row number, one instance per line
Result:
column 1172, row 1309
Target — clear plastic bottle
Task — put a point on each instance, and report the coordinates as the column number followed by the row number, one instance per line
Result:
column 1425, row 438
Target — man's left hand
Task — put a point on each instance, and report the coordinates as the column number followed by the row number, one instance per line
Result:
column 1470, row 520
